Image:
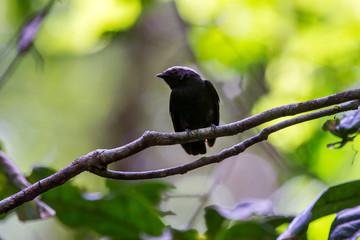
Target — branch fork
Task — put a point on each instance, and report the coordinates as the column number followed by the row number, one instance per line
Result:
column 97, row 161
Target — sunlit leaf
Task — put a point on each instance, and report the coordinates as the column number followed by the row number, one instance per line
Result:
column 356, row 143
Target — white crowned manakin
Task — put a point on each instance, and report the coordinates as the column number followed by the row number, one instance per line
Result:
column 194, row 104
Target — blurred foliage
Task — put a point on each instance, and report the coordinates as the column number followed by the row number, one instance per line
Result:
column 179, row 235
column 332, row 200
column 78, row 27
column 6, row 190
column 220, row 226
column 96, row 91
column 125, row 212
column 151, row 190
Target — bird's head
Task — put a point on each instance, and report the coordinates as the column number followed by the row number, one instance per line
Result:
column 178, row 75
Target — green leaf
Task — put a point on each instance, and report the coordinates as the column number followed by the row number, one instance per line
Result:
column 174, row 234
column 27, row 211
column 249, row 231
column 346, row 225
column 31, row 210
column 151, row 190
column 244, row 210
column 40, row 172
column 5, row 191
column 190, row 234
column 331, row 200
column 256, row 221
column 122, row 212
column 35, row 209
column 336, row 198
column 2, row 146
column 277, row 220
column 215, row 223
column 356, row 143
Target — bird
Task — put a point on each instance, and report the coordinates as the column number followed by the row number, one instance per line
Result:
column 194, row 104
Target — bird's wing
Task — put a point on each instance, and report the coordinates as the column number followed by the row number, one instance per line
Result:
column 175, row 117
column 215, row 100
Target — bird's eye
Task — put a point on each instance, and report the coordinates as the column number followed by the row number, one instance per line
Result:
column 174, row 70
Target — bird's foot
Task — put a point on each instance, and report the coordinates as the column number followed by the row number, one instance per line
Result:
column 213, row 128
column 189, row 132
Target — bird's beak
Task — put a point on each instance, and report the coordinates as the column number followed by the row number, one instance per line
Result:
column 160, row 75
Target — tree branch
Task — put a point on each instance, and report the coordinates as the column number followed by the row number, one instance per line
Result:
column 14, row 177
column 233, row 151
column 98, row 160
column 12, row 173
column 151, row 138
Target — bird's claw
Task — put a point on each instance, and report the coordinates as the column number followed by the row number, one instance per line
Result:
column 213, row 128
column 189, row 132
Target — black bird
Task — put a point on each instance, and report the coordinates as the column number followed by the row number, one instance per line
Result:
column 194, row 104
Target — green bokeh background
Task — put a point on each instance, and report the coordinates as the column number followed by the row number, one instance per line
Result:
column 97, row 89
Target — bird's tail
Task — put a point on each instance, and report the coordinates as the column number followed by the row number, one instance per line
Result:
column 210, row 142
column 195, row 148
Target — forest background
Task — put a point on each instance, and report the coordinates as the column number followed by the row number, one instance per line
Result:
column 88, row 83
